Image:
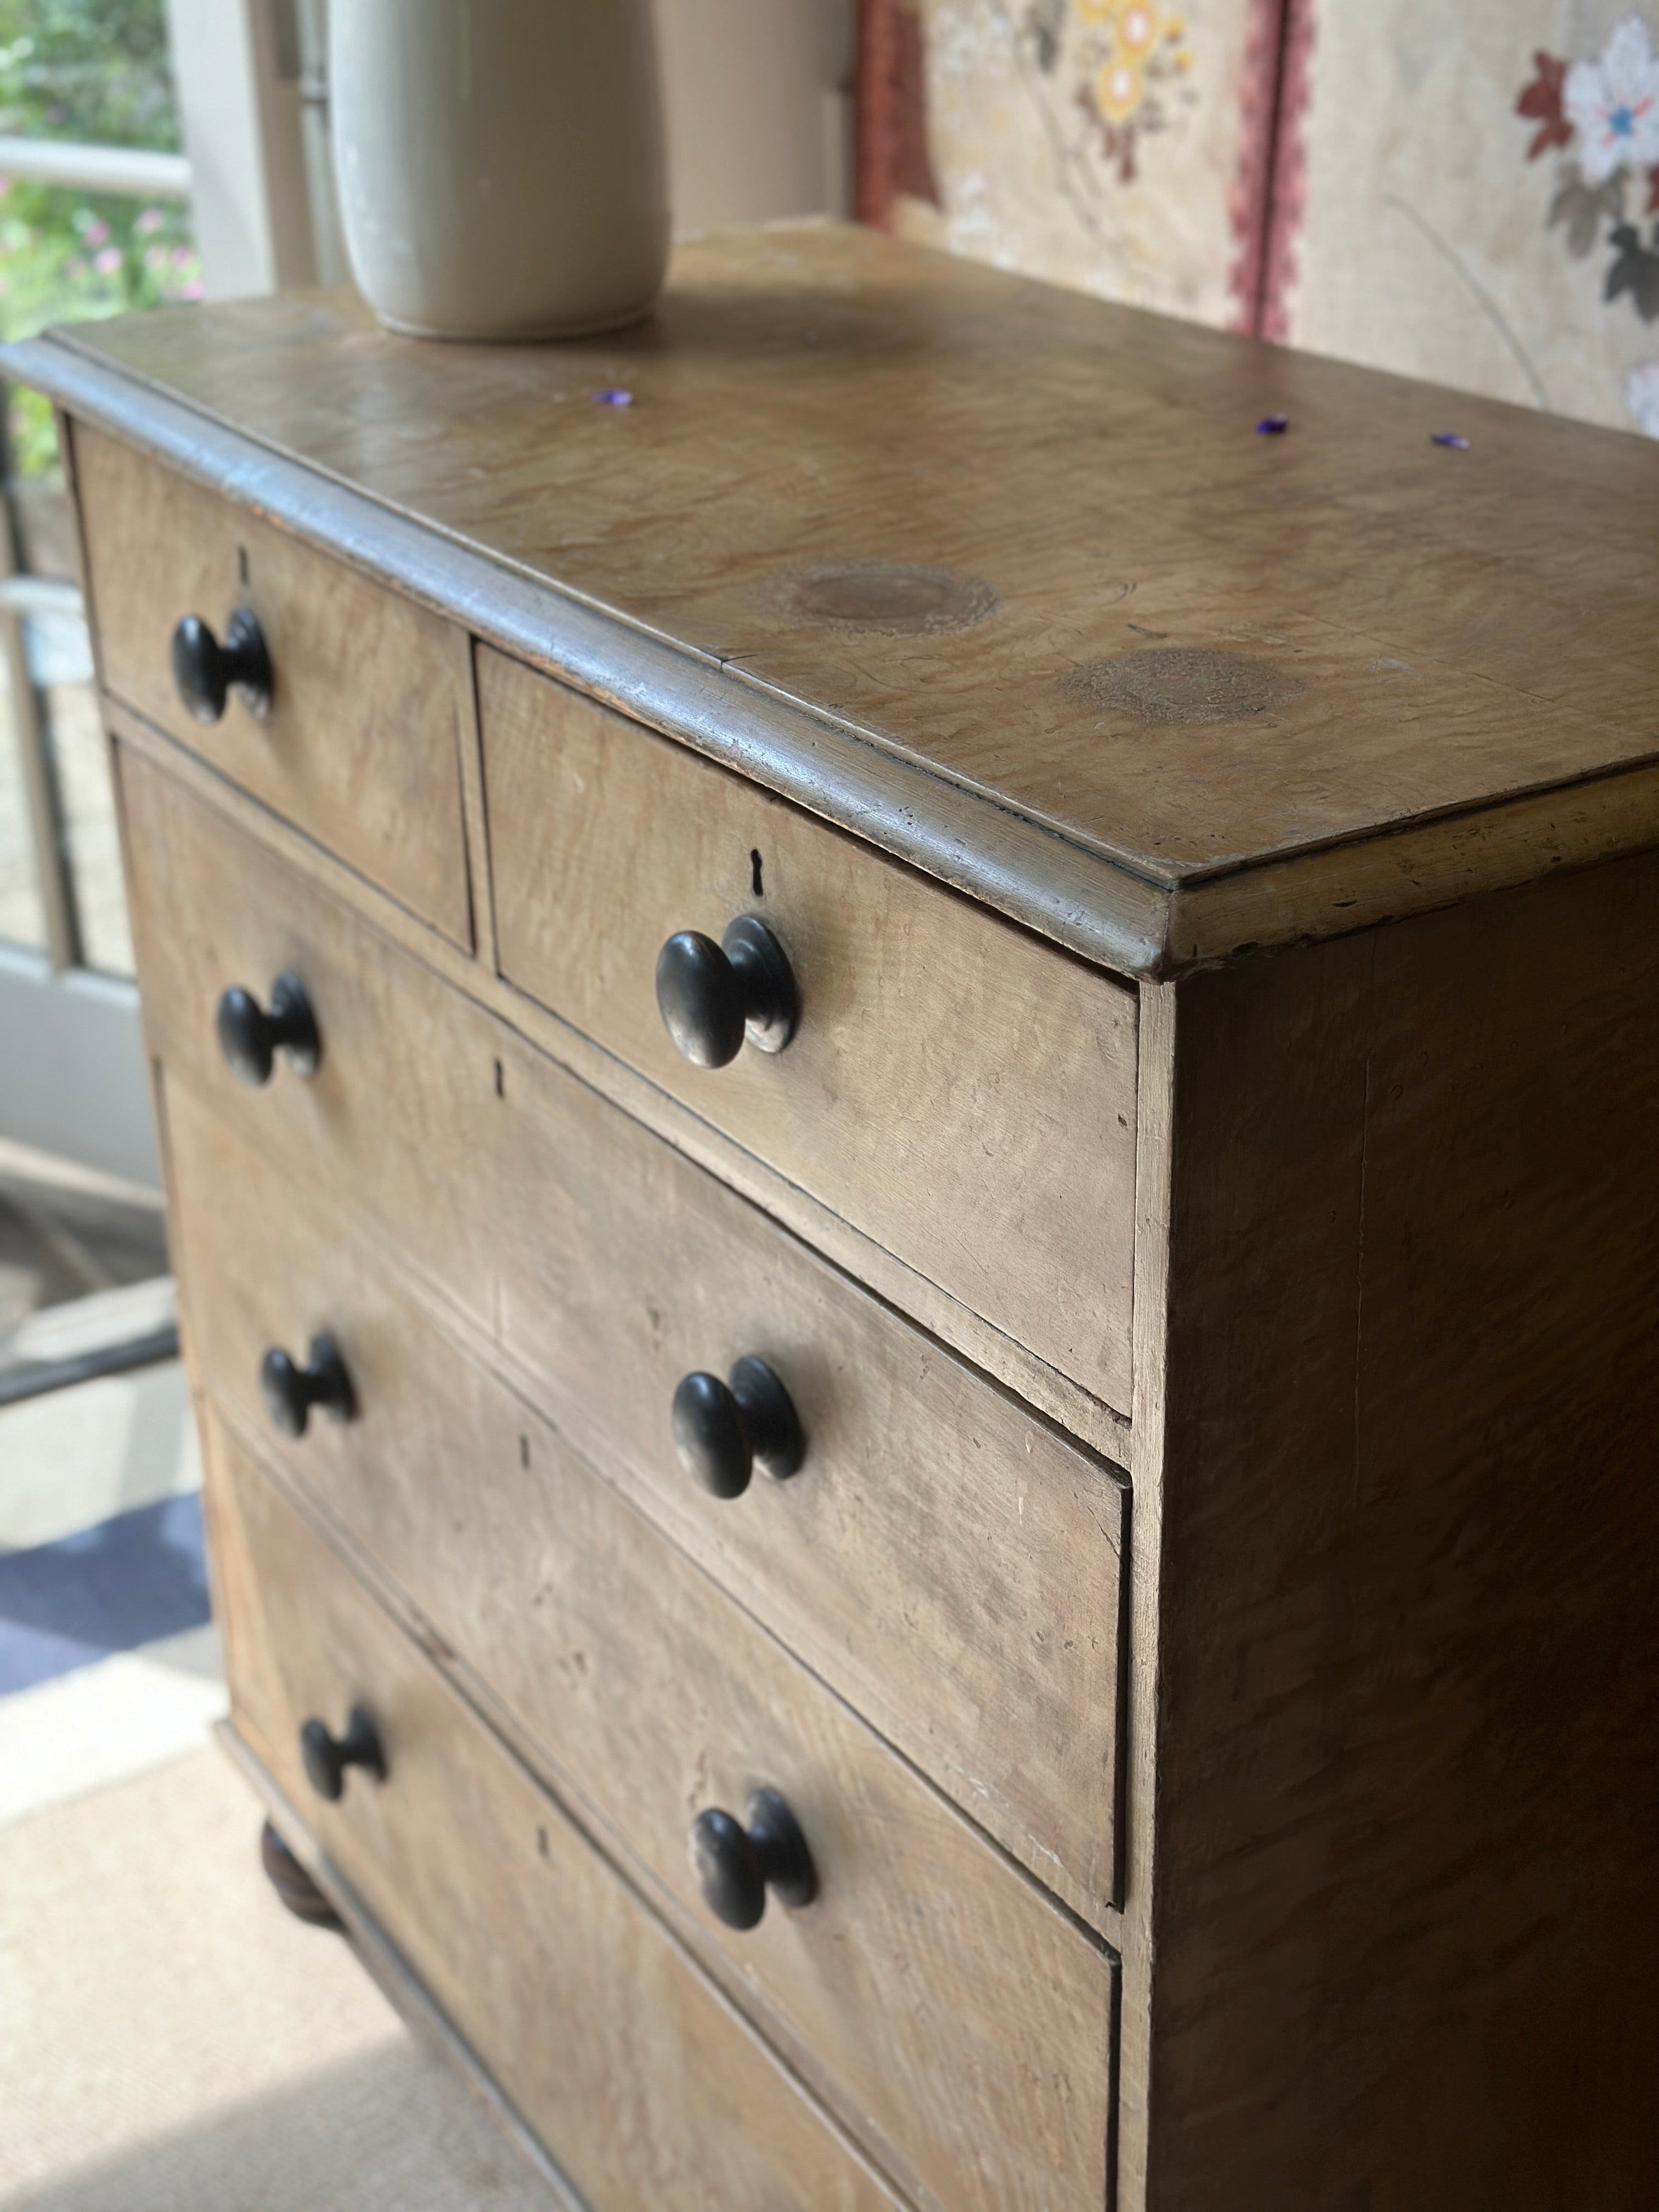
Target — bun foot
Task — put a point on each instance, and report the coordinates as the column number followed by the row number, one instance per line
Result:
column 293, row 1884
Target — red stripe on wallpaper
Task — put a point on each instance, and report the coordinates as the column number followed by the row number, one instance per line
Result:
column 1266, row 201
column 1253, row 184
column 872, row 102
column 891, row 99
column 1288, row 195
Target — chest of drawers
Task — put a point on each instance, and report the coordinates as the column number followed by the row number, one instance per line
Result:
column 910, row 1102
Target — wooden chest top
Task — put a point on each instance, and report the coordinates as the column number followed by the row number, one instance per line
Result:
column 1006, row 579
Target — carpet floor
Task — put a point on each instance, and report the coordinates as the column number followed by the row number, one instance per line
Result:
column 172, row 2041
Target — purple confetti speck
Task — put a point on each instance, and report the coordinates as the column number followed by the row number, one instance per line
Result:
column 613, row 396
column 1452, row 438
column 1272, row 426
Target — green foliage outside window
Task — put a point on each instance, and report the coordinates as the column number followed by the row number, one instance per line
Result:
column 95, row 72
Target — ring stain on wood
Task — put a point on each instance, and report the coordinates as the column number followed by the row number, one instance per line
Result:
column 1163, row 685
column 883, row 599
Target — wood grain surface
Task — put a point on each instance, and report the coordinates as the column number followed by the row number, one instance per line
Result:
column 386, row 1967
column 959, row 1089
column 646, row 2086
column 361, row 746
column 941, row 1999
column 1155, row 1165
column 945, row 1559
column 247, row 940
column 1409, row 1765
column 1430, row 632
column 1007, row 584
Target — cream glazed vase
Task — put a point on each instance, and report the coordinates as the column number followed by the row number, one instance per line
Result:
column 500, row 164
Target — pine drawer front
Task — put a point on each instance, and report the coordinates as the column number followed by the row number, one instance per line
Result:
column 645, row 2085
column 930, row 1983
column 361, row 746
column 945, row 1560
column 960, row 1091
column 403, row 1090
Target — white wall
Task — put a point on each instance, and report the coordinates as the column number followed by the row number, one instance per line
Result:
column 756, row 94
column 236, row 66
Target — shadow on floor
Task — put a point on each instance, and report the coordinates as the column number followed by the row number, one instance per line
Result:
column 172, row 2041
column 389, row 2130
column 126, row 1582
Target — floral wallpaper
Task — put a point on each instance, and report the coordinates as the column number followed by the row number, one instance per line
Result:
column 1480, row 198
column 1466, row 191
column 1602, row 111
column 1119, row 145
column 1118, row 71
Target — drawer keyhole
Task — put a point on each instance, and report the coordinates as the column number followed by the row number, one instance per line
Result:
column 290, row 1391
column 206, row 672
column 735, row 1866
column 327, row 1757
column 250, row 1038
column 712, row 997
column 721, row 1429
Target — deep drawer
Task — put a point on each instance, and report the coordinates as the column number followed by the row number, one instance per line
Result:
column 946, row 2004
column 635, row 2073
column 361, row 746
column 959, row 1091
column 945, row 1560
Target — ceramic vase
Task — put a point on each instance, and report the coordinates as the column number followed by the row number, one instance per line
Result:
column 500, row 164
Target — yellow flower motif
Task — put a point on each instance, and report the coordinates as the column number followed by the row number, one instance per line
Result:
column 1137, row 28
column 1097, row 11
column 1117, row 90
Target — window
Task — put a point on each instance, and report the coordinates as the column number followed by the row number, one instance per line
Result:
column 94, row 219
column 100, row 137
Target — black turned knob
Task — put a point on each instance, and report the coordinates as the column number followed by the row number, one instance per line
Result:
column 250, row 1038
column 290, row 1392
column 205, row 673
column 712, row 996
column 327, row 1757
column 735, row 1866
column 720, row 1429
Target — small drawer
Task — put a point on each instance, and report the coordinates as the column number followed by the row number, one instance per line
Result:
column 636, row 2074
column 943, row 1559
column 360, row 747
column 944, row 2001
column 959, row 1091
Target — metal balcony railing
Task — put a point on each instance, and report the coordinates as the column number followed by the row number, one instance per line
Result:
column 139, row 173
column 132, row 171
